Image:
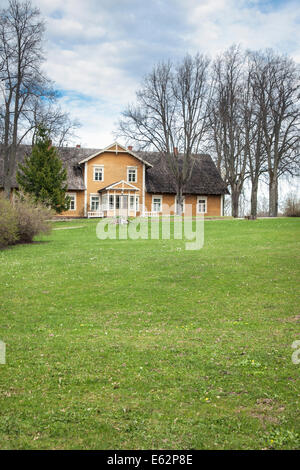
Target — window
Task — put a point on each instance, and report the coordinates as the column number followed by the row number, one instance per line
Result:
column 156, row 203
column 98, row 173
column 72, row 206
column 111, row 203
column 201, row 205
column 94, row 202
column 134, row 203
column 131, row 174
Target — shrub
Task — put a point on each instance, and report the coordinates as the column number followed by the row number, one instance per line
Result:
column 8, row 223
column 22, row 219
column 292, row 206
column 32, row 218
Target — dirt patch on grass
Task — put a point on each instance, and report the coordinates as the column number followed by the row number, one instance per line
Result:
column 267, row 410
column 263, row 418
column 294, row 319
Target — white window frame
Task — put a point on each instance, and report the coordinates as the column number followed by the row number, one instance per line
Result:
column 95, row 168
column 204, row 198
column 137, row 203
column 183, row 211
column 75, row 201
column 157, row 197
column 111, row 206
column 91, row 205
column 131, row 202
column 130, row 168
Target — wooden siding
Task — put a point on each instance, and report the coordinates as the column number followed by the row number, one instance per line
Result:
column 79, row 211
column 168, row 201
column 115, row 169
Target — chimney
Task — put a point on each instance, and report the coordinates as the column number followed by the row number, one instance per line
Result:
column 78, row 146
column 175, row 150
column 130, row 148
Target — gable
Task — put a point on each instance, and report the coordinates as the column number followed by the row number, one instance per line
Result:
column 116, row 149
column 120, row 185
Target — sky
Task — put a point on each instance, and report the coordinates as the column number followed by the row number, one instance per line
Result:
column 98, row 51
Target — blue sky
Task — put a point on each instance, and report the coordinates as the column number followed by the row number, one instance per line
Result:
column 98, row 50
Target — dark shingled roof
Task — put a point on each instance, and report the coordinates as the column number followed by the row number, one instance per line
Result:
column 205, row 177
column 70, row 157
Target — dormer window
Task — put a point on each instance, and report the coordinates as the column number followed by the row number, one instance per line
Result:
column 131, row 174
column 98, row 173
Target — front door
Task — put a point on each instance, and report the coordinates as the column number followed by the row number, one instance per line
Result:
column 121, row 205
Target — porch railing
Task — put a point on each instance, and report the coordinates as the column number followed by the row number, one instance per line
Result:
column 151, row 214
column 95, row 214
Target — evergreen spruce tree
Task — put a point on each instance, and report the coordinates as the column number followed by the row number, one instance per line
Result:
column 43, row 176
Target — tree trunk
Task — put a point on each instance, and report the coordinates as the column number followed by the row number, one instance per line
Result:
column 7, row 187
column 6, row 174
column 179, row 201
column 254, row 191
column 9, row 170
column 273, row 196
column 235, row 196
column 7, row 183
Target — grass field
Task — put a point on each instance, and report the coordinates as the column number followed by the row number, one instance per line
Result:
column 144, row 345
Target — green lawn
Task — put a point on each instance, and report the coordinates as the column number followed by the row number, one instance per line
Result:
column 142, row 344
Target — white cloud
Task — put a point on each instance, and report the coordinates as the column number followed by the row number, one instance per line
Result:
column 98, row 51
column 216, row 24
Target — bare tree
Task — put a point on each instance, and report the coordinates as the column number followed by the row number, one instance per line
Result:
column 171, row 116
column 21, row 57
column 253, row 133
column 50, row 116
column 276, row 86
column 25, row 91
column 227, row 121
